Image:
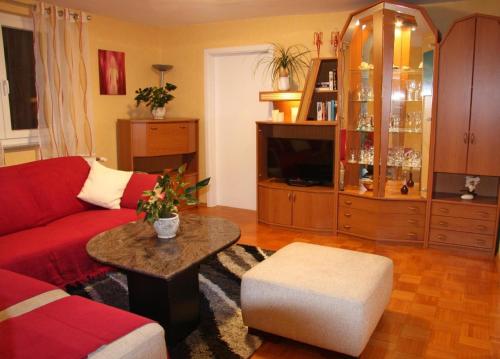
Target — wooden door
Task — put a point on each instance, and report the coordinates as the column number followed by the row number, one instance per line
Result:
column 275, row 206
column 313, row 210
column 453, row 98
column 485, row 111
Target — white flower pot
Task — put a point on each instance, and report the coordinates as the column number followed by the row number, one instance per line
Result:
column 284, row 83
column 167, row 227
column 159, row 112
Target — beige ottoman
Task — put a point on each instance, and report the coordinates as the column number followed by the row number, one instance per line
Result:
column 328, row 297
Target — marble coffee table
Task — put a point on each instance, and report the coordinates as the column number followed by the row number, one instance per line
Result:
column 163, row 273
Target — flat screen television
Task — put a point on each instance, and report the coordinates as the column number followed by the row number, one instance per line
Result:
column 300, row 160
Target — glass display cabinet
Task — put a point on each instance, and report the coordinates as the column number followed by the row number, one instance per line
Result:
column 387, row 63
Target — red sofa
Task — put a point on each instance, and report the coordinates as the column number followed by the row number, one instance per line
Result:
column 44, row 227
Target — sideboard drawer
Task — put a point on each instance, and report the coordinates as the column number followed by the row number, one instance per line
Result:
column 463, row 224
column 440, row 236
column 382, row 206
column 170, row 138
column 464, row 211
column 378, row 226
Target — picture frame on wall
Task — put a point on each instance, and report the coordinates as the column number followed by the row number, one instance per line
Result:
column 112, row 72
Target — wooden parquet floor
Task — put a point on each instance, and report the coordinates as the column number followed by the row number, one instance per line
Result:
column 442, row 306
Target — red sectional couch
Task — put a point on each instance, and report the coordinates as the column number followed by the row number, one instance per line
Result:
column 44, row 227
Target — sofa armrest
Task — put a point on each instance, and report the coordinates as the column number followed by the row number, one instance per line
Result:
column 139, row 182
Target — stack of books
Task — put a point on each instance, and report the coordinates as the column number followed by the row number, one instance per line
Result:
column 326, row 111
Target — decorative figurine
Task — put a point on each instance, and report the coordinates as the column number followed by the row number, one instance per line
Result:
column 334, row 41
column 404, row 189
column 470, row 185
column 318, row 41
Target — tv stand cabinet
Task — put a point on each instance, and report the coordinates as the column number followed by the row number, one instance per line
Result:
column 308, row 208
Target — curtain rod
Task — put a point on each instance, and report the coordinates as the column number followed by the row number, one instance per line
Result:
column 32, row 5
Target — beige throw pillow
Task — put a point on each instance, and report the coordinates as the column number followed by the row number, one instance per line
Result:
column 104, row 186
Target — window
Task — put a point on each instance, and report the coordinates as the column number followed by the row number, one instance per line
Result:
column 18, row 115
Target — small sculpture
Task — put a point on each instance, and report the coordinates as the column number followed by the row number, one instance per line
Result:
column 470, row 185
column 335, row 41
column 318, row 41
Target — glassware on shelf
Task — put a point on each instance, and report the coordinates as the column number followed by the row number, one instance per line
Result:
column 409, row 122
column 417, row 121
column 366, row 155
column 365, row 122
column 413, row 90
column 395, row 123
column 363, row 93
column 353, row 156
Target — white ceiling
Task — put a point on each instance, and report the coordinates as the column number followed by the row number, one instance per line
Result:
column 177, row 12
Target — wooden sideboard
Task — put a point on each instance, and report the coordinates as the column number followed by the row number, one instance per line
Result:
column 152, row 146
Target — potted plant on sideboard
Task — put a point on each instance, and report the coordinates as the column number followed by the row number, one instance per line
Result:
column 161, row 204
column 156, row 98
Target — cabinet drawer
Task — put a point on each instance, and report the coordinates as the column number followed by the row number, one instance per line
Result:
column 464, row 211
column 170, row 138
column 382, row 206
column 463, row 224
column 378, row 226
column 460, row 238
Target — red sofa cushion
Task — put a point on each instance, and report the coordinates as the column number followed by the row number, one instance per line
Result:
column 56, row 252
column 71, row 327
column 39, row 192
column 15, row 288
column 139, row 182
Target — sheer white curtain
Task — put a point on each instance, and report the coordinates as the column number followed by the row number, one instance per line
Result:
column 62, row 82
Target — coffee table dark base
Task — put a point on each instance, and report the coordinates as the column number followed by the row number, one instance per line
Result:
column 175, row 303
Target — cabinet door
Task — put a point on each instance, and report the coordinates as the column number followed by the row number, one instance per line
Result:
column 454, row 97
column 275, row 206
column 313, row 210
column 485, row 111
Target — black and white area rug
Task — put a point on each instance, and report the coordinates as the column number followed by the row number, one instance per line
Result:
column 221, row 333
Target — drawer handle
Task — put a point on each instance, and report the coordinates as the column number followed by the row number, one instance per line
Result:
column 183, row 127
column 480, row 241
column 443, row 223
column 153, row 128
column 483, row 214
column 442, row 237
column 348, row 202
column 411, row 235
column 412, row 209
column 481, row 227
column 348, row 215
column 412, row 221
column 444, row 210
column 346, row 226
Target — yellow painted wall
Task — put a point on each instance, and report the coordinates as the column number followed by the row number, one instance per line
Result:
column 183, row 47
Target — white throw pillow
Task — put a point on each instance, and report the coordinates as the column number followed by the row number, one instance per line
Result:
column 104, row 186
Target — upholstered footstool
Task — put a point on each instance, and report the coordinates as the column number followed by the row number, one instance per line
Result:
column 328, row 297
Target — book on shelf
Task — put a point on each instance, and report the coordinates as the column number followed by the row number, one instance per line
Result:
column 326, row 111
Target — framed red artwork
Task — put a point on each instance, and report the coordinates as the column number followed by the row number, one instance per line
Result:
column 112, row 72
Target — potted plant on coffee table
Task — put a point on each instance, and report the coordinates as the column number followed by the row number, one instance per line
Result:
column 156, row 98
column 161, row 204
column 285, row 64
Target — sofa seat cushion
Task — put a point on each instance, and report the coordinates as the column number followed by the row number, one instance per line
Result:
column 56, row 252
column 20, row 294
column 72, row 327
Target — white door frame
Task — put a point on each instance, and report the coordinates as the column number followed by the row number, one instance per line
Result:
column 210, row 143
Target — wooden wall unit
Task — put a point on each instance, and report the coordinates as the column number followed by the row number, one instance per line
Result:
column 309, row 208
column 386, row 71
column 151, row 146
column 466, row 138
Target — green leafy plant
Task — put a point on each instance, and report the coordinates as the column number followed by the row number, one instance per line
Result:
column 168, row 193
column 155, row 97
column 290, row 61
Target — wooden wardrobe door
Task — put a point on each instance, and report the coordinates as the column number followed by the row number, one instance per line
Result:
column 456, row 58
column 484, row 138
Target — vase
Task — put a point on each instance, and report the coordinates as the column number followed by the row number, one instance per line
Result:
column 284, row 83
column 410, row 182
column 158, row 112
column 167, row 227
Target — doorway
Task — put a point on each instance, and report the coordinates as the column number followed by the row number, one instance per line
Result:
column 232, row 85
